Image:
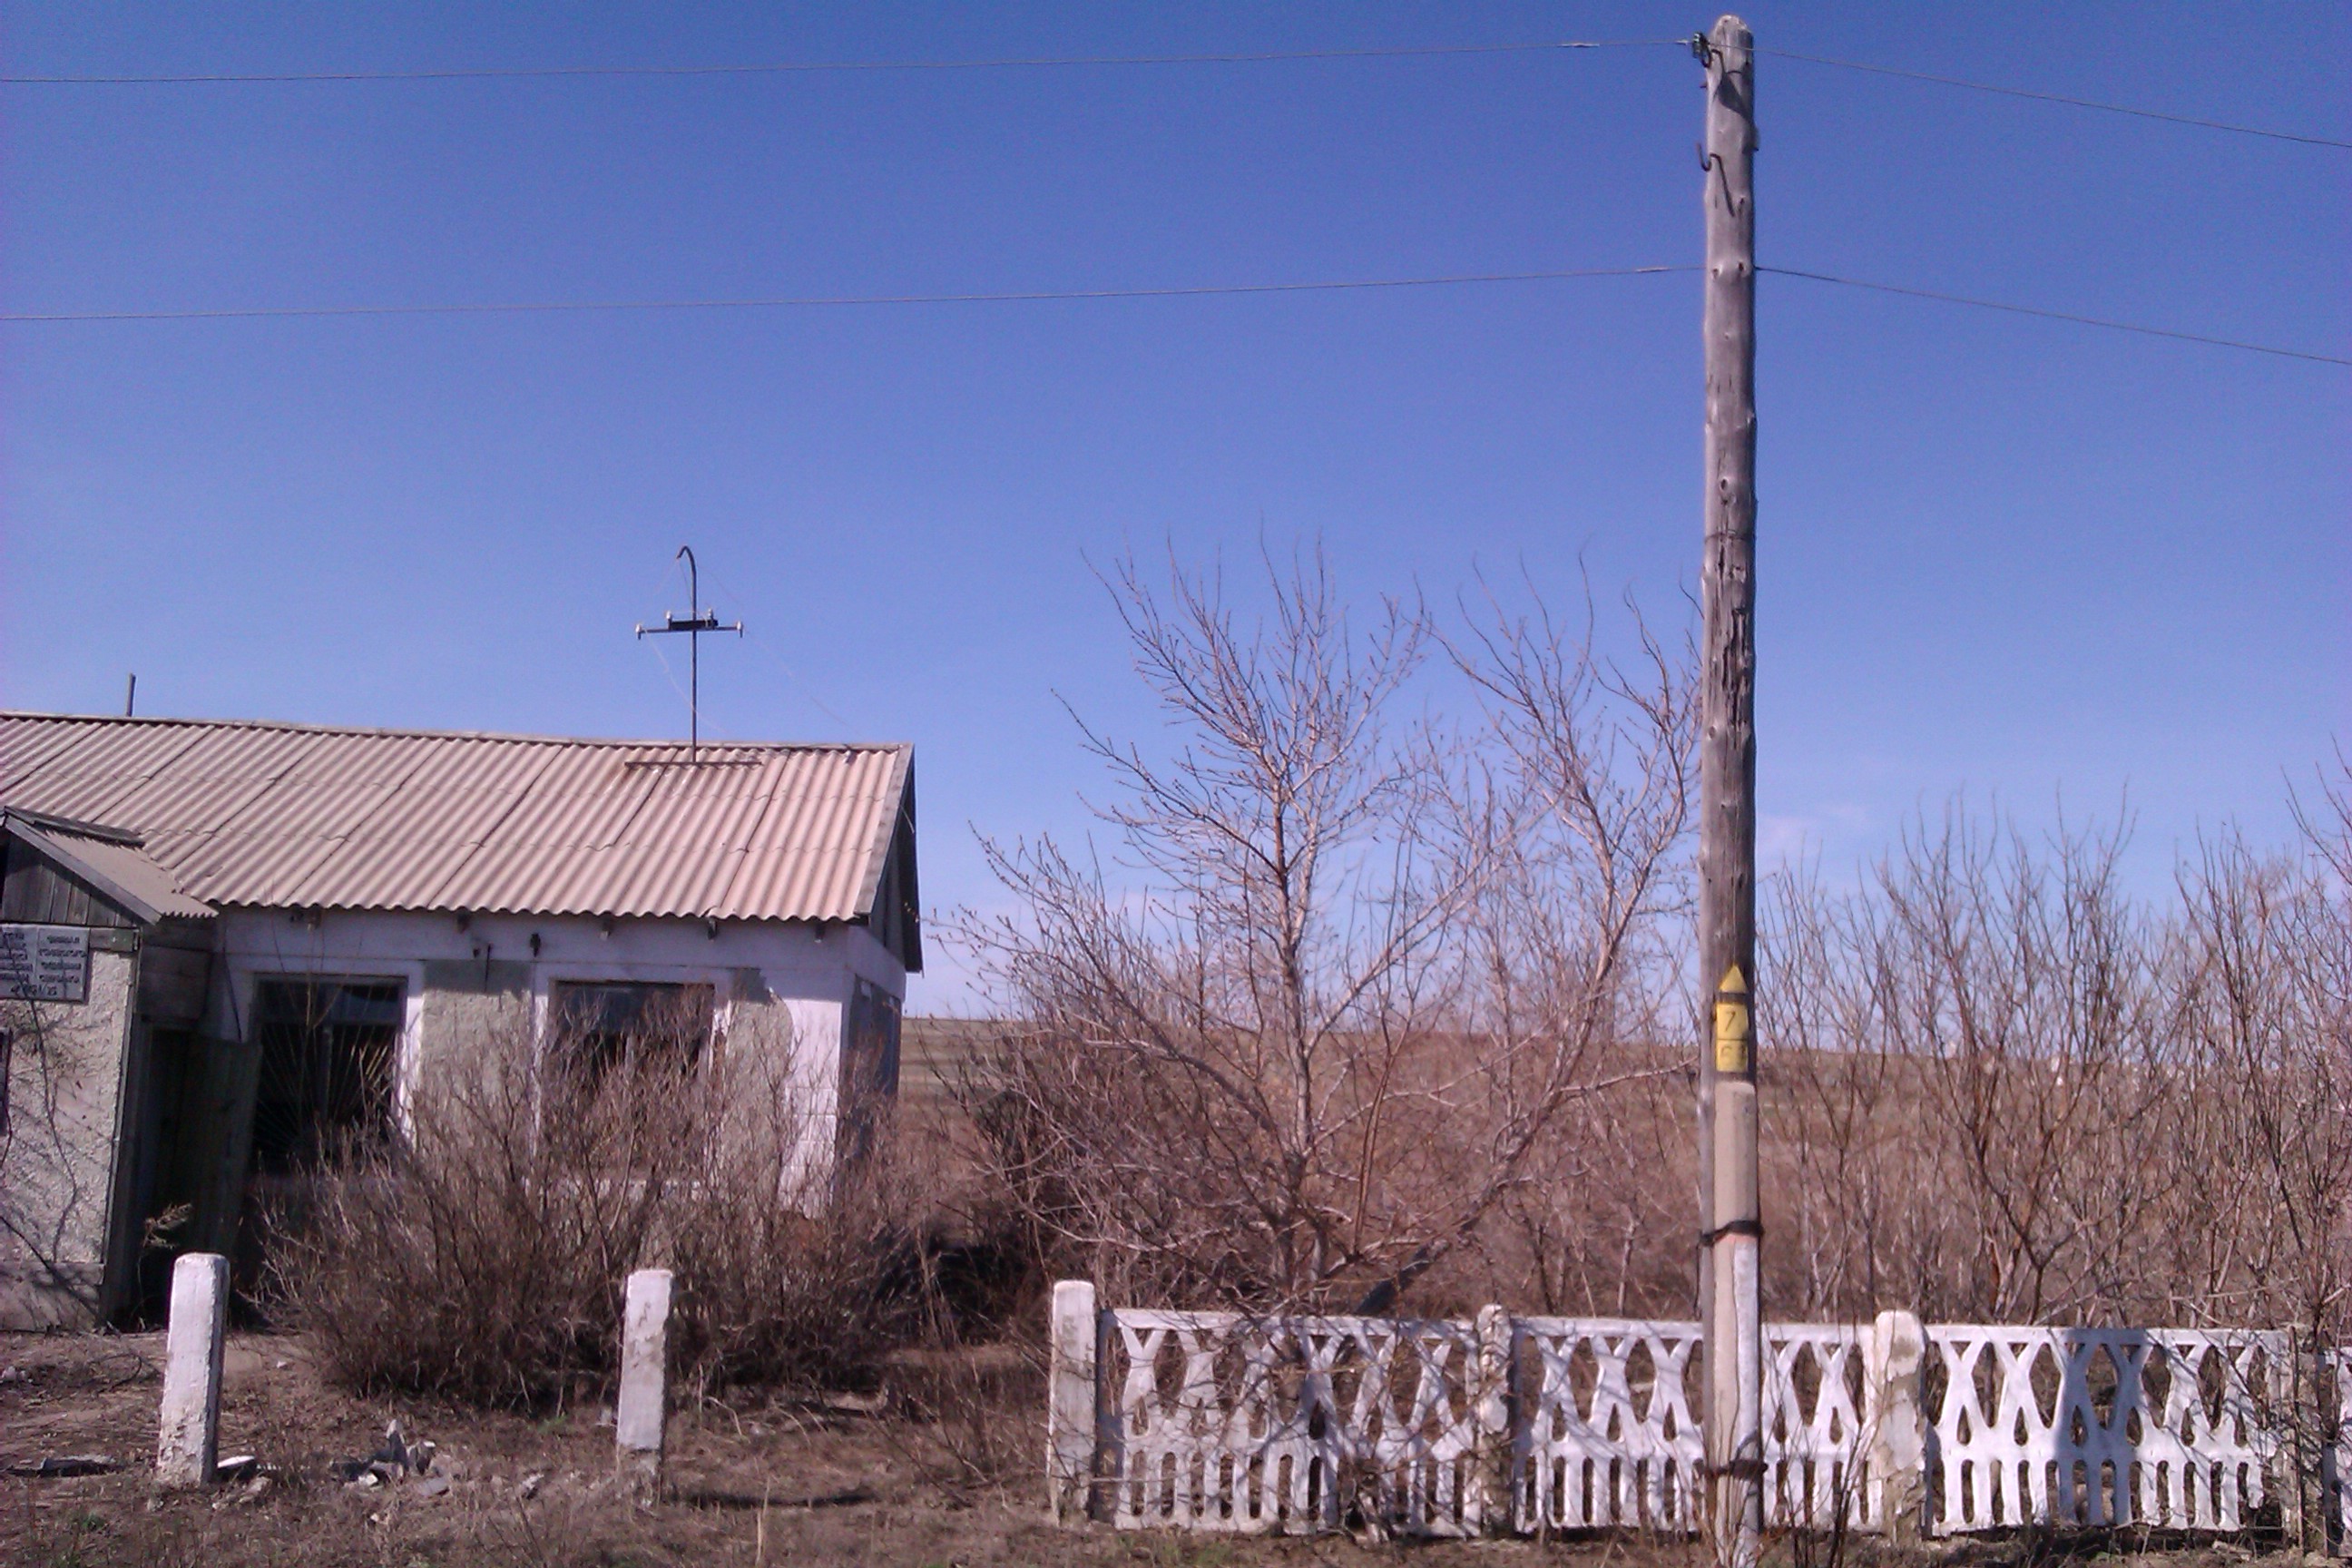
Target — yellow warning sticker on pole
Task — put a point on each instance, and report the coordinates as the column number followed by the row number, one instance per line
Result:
column 1734, row 1027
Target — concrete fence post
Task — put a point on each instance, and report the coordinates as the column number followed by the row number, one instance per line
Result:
column 1898, row 1434
column 641, row 1412
column 1491, row 1401
column 187, row 1440
column 1070, row 1406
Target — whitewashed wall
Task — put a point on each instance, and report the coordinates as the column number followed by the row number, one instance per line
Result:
column 768, row 980
column 57, row 1164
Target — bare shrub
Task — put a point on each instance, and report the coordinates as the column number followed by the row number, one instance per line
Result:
column 481, row 1254
column 1348, row 1006
column 1355, row 971
column 791, row 1271
column 2002, row 1091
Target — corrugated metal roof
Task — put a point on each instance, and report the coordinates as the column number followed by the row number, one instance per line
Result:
column 296, row 816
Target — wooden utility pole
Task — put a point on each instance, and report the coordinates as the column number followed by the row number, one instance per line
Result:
column 1730, row 1309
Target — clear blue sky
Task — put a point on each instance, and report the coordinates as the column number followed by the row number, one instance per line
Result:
column 2009, row 556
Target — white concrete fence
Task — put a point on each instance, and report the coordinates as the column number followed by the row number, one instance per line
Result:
column 1218, row 1421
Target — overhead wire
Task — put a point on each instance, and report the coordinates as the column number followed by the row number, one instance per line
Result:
column 2110, row 325
column 1022, row 296
column 795, row 68
column 1019, row 62
column 2102, row 106
column 782, row 301
column 1027, row 296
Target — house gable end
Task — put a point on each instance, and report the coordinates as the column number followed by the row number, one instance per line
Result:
column 41, row 888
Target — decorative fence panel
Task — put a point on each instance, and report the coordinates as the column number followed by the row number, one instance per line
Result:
column 2098, row 1427
column 1220, row 1421
column 1820, row 1419
column 1609, row 1437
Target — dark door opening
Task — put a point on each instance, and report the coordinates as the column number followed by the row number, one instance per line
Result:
column 328, row 1052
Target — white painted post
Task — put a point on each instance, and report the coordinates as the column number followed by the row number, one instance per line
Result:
column 187, row 1440
column 1489, row 1509
column 1898, row 1433
column 1070, row 1401
column 642, row 1410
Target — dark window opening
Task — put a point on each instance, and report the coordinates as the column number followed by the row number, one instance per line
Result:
column 869, row 1069
column 600, row 1025
column 328, row 1050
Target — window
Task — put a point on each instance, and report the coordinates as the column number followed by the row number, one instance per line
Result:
column 598, row 1026
column 869, row 1068
column 328, row 1049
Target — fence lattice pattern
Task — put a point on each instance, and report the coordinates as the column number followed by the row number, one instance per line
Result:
column 1219, row 1421
column 1226, row 1422
column 2098, row 1427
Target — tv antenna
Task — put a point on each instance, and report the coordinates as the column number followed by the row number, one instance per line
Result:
column 694, row 622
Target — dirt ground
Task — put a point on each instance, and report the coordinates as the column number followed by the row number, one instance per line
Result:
column 774, row 1483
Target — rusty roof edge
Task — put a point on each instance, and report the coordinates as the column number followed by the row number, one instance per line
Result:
column 288, row 725
column 511, row 911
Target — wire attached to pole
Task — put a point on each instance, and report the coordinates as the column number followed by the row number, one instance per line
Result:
column 2070, row 102
column 2113, row 326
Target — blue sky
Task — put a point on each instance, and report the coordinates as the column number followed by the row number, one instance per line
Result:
column 2025, row 560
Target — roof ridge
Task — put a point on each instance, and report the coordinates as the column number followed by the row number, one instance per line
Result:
column 401, row 732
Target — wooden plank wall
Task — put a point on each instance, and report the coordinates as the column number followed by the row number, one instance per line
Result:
column 36, row 890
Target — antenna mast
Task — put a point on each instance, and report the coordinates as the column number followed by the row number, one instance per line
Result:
column 694, row 622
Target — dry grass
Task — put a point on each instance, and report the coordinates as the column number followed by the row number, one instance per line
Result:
column 841, row 1482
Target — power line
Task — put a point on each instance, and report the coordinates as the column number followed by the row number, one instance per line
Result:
column 1016, row 62
column 2112, row 326
column 535, row 307
column 2060, row 98
column 792, row 68
column 576, row 307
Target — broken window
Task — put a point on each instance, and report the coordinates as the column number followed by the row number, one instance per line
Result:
column 328, row 1051
column 599, row 1025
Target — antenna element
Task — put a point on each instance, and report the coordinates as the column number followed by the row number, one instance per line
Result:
column 694, row 622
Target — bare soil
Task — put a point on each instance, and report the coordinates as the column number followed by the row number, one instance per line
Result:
column 895, row 1481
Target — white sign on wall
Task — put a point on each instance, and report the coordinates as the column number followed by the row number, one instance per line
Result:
column 44, row 964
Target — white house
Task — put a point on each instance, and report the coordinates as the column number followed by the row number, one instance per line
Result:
column 223, row 942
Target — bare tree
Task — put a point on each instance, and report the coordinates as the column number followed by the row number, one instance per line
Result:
column 2003, row 1090
column 1354, row 972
